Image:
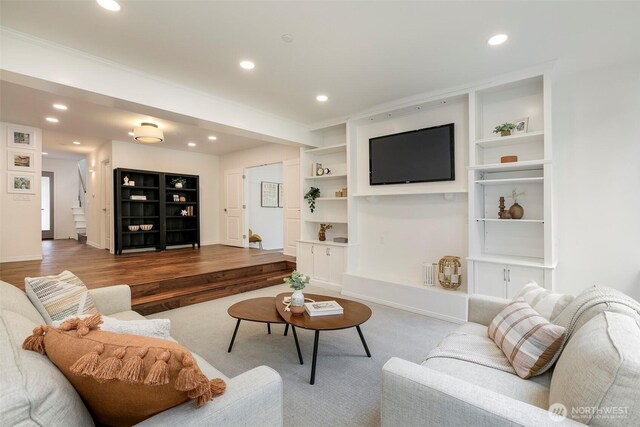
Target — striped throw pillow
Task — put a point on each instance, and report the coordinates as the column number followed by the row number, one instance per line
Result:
column 60, row 296
column 545, row 302
column 527, row 339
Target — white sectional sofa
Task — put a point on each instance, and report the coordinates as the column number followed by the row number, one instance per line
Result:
column 34, row 392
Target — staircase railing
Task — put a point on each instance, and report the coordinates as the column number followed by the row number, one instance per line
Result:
column 82, row 189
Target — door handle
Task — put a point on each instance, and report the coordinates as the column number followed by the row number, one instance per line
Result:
column 328, row 251
column 509, row 275
column 312, row 249
column 504, row 274
column 225, row 209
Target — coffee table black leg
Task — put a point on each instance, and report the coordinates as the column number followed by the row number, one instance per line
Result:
column 315, row 357
column 295, row 337
column 286, row 329
column 233, row 338
column 364, row 343
column 269, row 328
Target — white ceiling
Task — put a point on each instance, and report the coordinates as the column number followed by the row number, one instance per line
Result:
column 359, row 53
column 93, row 124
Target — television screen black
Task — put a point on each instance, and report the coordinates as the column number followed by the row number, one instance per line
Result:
column 423, row 155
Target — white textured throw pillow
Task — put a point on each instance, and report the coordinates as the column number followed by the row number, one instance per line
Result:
column 545, row 302
column 60, row 296
column 154, row 328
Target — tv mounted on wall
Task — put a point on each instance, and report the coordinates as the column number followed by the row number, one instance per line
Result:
column 424, row 155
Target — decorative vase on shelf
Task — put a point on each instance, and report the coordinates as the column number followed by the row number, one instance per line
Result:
column 297, row 303
column 505, row 133
column 322, row 233
column 178, row 185
column 516, row 211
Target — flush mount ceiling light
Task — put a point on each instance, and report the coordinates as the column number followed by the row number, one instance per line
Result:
column 191, row 144
column 322, row 98
column 52, row 119
column 212, row 138
column 247, row 65
column 76, row 142
column 111, row 5
column 497, row 39
column 148, row 133
column 59, row 107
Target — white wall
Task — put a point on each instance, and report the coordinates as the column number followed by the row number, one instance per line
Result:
column 148, row 157
column 267, row 222
column 20, row 218
column 94, row 200
column 65, row 195
column 596, row 136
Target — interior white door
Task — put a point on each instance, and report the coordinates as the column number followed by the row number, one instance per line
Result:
column 490, row 279
column 518, row 276
column 291, row 206
column 234, row 208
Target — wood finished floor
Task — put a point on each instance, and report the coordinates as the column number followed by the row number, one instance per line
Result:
column 98, row 268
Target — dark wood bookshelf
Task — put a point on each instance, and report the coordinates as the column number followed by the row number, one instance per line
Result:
column 170, row 228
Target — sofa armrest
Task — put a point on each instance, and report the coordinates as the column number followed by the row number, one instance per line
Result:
column 112, row 299
column 254, row 398
column 414, row 395
column 483, row 309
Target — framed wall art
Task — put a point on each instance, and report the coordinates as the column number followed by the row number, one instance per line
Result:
column 269, row 195
column 21, row 183
column 21, row 137
column 21, row 160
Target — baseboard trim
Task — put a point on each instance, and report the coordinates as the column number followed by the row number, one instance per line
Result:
column 22, row 258
column 326, row 285
column 94, row 244
column 404, row 307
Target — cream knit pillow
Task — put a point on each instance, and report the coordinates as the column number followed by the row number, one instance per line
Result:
column 545, row 302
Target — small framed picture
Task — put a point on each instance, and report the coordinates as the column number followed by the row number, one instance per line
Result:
column 280, row 195
column 176, row 197
column 522, row 125
column 269, row 198
column 19, row 160
column 21, row 183
column 21, row 137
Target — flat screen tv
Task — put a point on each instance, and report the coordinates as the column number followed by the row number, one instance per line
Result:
column 423, row 155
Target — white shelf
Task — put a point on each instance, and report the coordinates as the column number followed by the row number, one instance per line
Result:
column 327, row 221
column 416, row 193
column 540, row 221
column 515, row 166
column 331, row 149
column 331, row 198
column 532, row 180
column 326, row 177
column 504, row 141
column 512, row 260
column 326, row 242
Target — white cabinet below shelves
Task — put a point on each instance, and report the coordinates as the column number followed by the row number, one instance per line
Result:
column 324, row 263
column 504, row 280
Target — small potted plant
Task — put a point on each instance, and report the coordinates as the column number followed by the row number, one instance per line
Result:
column 322, row 233
column 178, row 182
column 504, row 129
column 297, row 281
column 311, row 197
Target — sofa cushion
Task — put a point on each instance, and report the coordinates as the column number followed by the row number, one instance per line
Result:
column 15, row 300
column 60, row 296
column 527, row 339
column 34, row 391
column 154, row 328
column 548, row 304
column 597, row 377
column 122, row 378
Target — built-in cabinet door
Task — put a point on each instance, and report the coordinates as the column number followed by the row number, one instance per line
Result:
column 490, row 279
column 304, row 258
column 336, row 264
column 517, row 277
column 322, row 263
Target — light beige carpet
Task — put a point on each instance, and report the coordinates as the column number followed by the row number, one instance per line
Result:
column 348, row 384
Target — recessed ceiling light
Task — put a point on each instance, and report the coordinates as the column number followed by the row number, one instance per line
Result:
column 52, row 120
column 191, row 144
column 322, row 98
column 111, row 5
column 247, row 65
column 212, row 138
column 497, row 39
column 76, row 142
column 131, row 134
column 59, row 106
column 45, row 153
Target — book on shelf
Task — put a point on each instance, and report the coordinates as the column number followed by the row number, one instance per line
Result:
column 323, row 308
column 136, row 197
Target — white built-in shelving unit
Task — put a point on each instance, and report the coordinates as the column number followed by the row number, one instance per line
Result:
column 504, row 254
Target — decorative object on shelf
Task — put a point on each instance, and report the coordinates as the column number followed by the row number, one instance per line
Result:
column 126, row 180
column 344, row 192
column 339, row 193
column 176, row 198
column 341, row 240
column 430, row 273
column 146, row 227
column 132, row 183
column 137, row 197
column 508, row 159
column 317, row 169
column 503, row 214
column 269, row 194
column 516, row 211
column 182, row 198
column 504, row 129
column 311, row 197
column 326, row 171
column 522, row 125
column 297, row 281
column 322, row 233
column 134, row 227
column 178, row 182
column 450, row 272
column 184, row 212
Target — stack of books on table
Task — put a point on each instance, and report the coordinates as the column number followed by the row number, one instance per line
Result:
column 323, row 308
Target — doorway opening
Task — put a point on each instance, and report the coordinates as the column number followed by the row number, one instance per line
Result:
column 105, row 204
column 264, row 213
column 46, row 207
